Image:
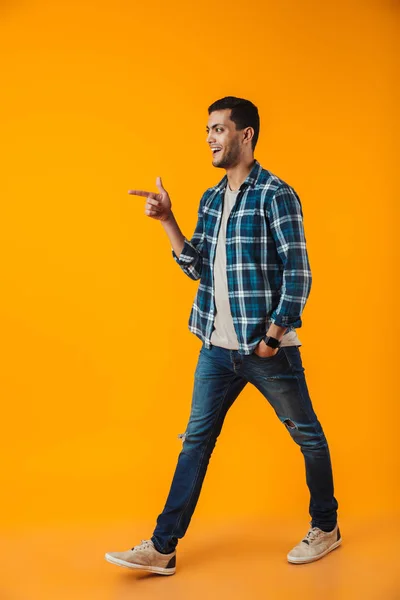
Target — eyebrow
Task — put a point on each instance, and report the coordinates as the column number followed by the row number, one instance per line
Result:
column 213, row 126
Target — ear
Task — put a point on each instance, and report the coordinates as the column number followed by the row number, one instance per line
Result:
column 249, row 133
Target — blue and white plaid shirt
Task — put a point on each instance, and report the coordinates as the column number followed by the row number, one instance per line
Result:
column 267, row 266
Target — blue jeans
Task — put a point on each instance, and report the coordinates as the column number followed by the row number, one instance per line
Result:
column 220, row 376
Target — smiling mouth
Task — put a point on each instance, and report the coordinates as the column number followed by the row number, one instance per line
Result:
column 215, row 152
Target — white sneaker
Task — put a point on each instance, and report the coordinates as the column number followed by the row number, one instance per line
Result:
column 144, row 556
column 315, row 545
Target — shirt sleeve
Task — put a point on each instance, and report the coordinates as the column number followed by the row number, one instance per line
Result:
column 286, row 222
column 191, row 258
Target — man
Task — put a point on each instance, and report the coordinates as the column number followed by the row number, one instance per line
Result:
column 249, row 252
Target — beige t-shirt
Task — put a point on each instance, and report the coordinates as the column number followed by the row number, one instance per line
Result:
column 224, row 334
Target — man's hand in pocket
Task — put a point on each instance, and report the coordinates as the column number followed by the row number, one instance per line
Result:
column 263, row 350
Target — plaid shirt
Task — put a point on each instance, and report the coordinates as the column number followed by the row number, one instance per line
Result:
column 267, row 266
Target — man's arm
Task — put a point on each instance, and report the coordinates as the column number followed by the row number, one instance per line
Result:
column 187, row 253
column 174, row 233
column 286, row 223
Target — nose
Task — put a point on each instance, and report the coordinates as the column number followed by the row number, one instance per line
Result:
column 210, row 137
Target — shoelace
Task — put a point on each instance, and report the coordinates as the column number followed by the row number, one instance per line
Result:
column 312, row 535
column 143, row 544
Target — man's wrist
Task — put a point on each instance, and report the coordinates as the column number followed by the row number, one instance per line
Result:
column 276, row 331
column 168, row 219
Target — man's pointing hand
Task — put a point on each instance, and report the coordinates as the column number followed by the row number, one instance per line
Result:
column 158, row 206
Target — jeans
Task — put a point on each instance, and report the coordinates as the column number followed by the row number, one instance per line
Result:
column 220, row 376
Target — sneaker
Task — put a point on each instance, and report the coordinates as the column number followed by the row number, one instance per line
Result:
column 144, row 556
column 315, row 545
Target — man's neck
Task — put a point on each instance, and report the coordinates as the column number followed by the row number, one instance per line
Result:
column 237, row 174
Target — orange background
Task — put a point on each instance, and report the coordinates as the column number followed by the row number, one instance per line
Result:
column 97, row 362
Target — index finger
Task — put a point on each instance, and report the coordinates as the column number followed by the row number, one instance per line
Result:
column 142, row 193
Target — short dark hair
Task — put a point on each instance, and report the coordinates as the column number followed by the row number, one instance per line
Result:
column 244, row 114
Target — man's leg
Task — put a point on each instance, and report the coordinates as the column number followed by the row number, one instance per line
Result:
column 280, row 378
column 216, row 386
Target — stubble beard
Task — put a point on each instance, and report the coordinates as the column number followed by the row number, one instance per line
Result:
column 229, row 159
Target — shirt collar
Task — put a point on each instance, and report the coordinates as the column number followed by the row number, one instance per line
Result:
column 250, row 180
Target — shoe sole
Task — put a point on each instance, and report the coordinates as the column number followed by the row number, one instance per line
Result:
column 128, row 565
column 299, row 561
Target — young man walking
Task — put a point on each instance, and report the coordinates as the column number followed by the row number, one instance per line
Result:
column 249, row 252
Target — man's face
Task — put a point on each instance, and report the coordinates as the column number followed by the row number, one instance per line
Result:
column 221, row 133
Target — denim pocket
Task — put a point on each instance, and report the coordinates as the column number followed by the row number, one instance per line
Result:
column 267, row 358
